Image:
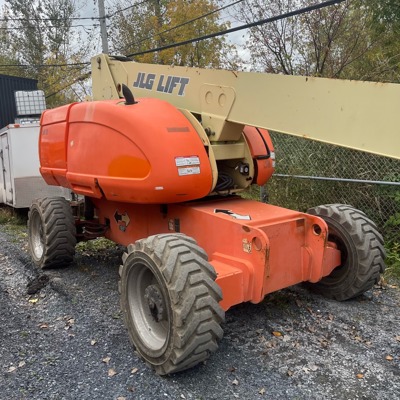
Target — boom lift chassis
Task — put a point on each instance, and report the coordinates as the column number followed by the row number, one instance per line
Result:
column 163, row 181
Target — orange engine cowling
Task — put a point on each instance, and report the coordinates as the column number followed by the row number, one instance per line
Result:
column 146, row 152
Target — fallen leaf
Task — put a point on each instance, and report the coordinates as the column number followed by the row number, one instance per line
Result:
column 93, row 342
column 134, row 370
column 360, row 376
column 43, row 326
column 398, row 338
column 261, row 391
column 71, row 321
column 183, row 396
column 12, row 369
column 106, row 360
column 389, row 358
column 277, row 333
column 290, row 372
column 235, row 382
column 111, row 372
column 33, row 301
column 121, row 398
column 21, row 364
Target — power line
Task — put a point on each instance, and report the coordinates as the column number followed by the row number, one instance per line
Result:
column 125, row 9
column 239, row 28
column 54, row 27
column 80, row 78
column 73, row 18
column 45, row 65
column 47, row 19
column 186, row 23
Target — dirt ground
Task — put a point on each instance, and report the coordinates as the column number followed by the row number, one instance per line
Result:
column 68, row 341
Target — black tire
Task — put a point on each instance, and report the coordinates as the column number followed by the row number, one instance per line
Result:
column 51, row 232
column 170, row 302
column 362, row 250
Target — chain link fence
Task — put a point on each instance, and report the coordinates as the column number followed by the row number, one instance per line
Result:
column 309, row 173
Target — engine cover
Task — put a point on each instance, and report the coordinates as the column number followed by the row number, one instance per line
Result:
column 146, row 152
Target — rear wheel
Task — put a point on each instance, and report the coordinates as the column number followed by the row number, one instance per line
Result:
column 52, row 232
column 362, row 252
column 170, row 302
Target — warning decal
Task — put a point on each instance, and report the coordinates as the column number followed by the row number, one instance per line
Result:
column 188, row 171
column 187, row 161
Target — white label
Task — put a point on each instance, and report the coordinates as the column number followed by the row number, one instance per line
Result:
column 189, row 171
column 187, row 161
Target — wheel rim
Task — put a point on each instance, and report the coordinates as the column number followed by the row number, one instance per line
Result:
column 37, row 235
column 148, row 308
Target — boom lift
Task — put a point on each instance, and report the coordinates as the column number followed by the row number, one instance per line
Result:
column 160, row 174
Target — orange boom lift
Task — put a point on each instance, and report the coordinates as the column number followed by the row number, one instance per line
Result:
column 160, row 174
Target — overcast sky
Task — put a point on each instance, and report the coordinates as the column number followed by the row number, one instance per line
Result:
column 90, row 9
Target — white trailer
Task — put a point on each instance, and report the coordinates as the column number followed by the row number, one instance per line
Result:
column 20, row 179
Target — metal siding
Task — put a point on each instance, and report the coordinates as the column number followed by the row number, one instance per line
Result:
column 8, row 85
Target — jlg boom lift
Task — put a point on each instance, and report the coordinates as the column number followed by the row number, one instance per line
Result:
column 160, row 173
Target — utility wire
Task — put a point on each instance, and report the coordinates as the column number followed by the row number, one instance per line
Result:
column 73, row 18
column 45, row 65
column 239, row 28
column 81, row 78
column 47, row 19
column 185, row 23
column 54, row 27
column 125, row 9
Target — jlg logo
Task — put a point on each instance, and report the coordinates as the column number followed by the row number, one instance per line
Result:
column 165, row 84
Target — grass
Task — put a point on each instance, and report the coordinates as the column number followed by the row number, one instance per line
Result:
column 14, row 222
column 98, row 244
column 393, row 260
column 10, row 216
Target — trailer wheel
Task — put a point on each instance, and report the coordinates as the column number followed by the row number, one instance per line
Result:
column 362, row 250
column 170, row 302
column 52, row 232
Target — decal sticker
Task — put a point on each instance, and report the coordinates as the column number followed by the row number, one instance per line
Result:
column 187, row 161
column 169, row 84
column 232, row 214
column 122, row 220
column 188, row 171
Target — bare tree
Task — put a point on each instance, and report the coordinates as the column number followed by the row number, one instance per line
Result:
column 323, row 42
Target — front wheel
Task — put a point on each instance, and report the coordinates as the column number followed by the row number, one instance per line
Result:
column 362, row 252
column 51, row 232
column 170, row 302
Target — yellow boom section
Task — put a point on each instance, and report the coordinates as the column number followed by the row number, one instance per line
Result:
column 358, row 115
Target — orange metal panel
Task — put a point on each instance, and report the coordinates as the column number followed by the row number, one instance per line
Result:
column 143, row 153
column 272, row 250
column 261, row 149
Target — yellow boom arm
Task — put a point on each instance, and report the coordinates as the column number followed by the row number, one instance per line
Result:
column 358, row 115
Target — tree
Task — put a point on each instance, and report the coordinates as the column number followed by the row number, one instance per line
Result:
column 383, row 62
column 155, row 23
column 6, row 54
column 41, row 42
column 324, row 42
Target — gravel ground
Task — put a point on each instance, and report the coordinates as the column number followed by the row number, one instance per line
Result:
column 68, row 341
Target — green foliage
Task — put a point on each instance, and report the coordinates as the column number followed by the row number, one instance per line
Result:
column 10, row 216
column 152, row 24
column 95, row 245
